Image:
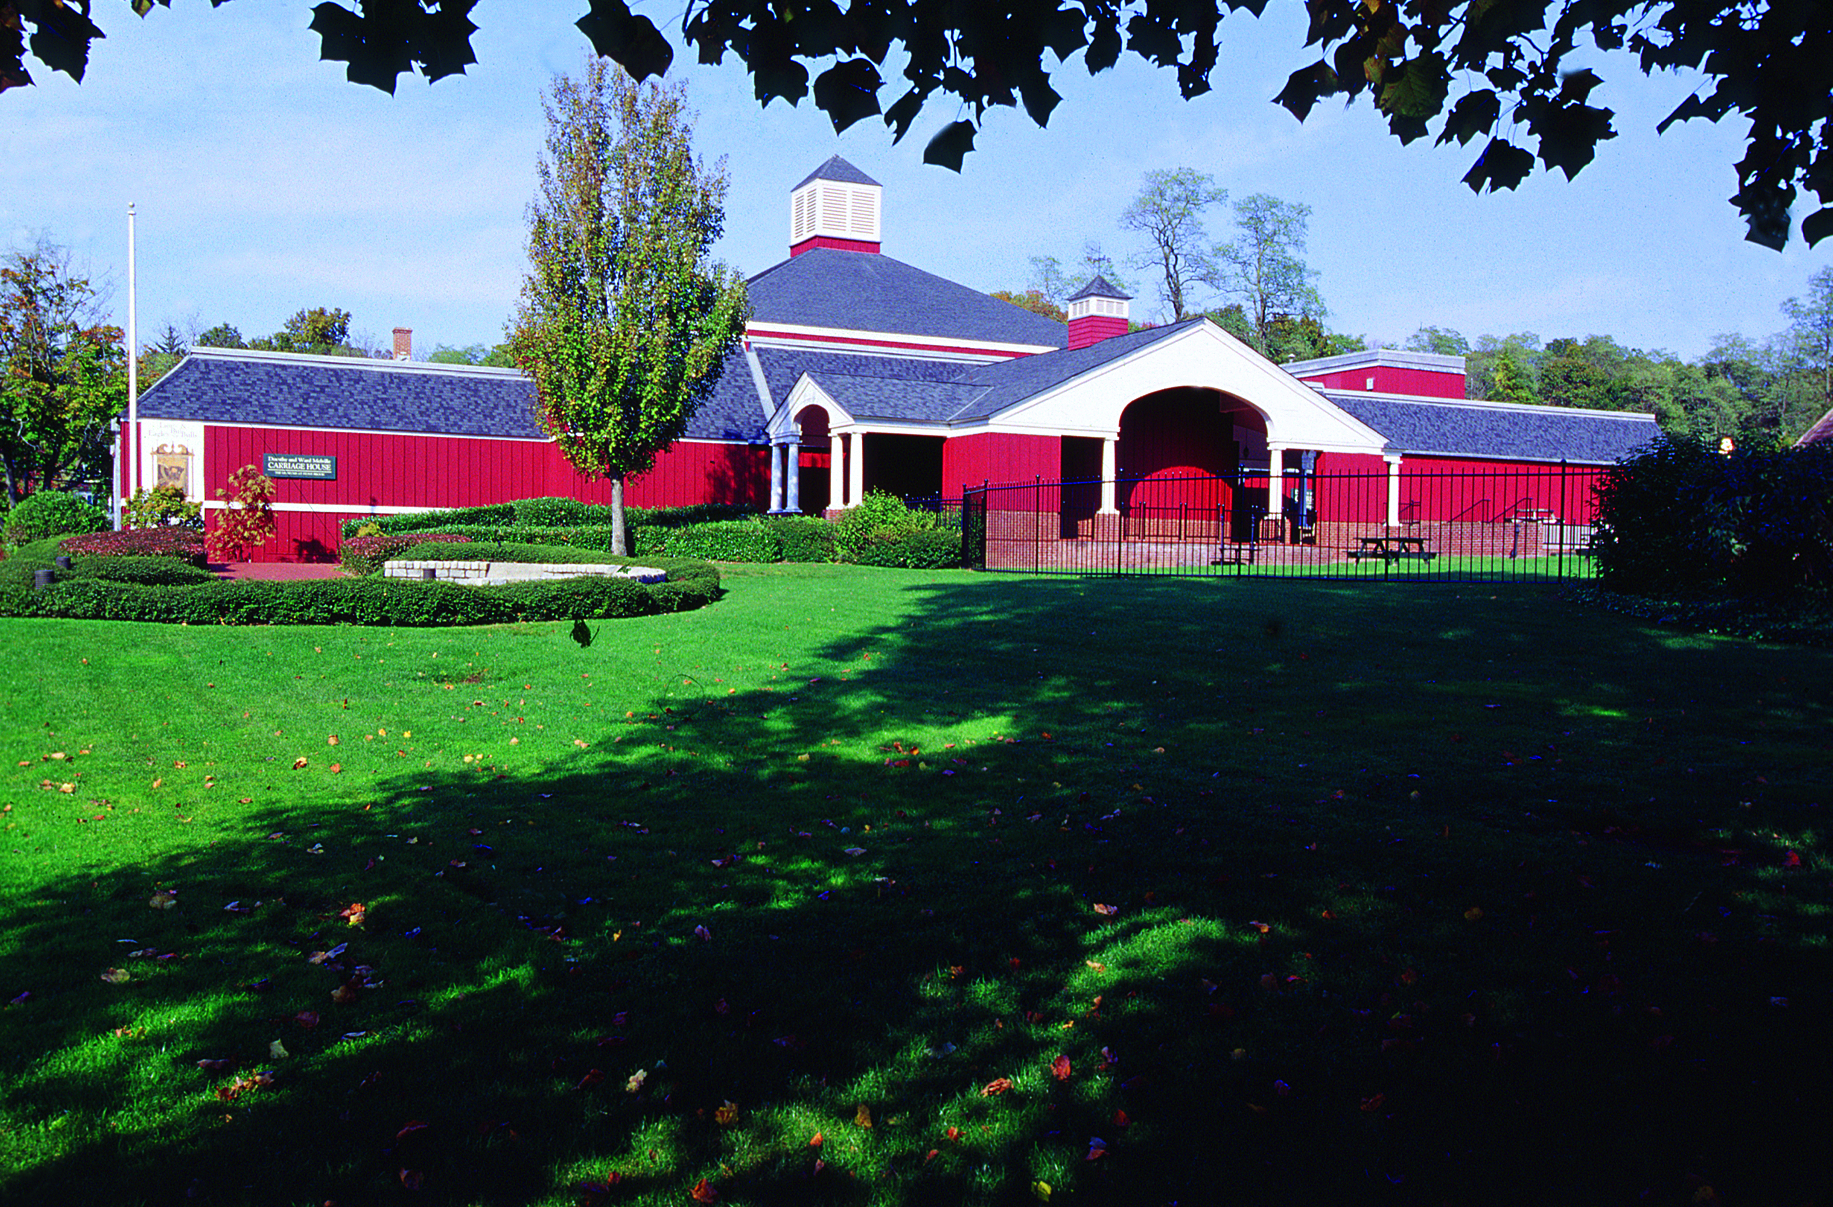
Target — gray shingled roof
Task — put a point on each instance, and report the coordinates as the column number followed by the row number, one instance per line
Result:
column 862, row 291
column 1492, row 430
column 886, row 398
column 838, row 169
column 224, row 386
column 276, row 389
column 1100, row 287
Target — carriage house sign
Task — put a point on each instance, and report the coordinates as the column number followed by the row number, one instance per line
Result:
column 299, row 465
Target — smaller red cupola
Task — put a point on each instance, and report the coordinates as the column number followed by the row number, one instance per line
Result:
column 1097, row 312
column 837, row 206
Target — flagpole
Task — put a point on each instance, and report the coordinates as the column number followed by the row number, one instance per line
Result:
column 132, row 478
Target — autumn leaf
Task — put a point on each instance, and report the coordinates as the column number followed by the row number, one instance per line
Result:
column 1059, row 1068
column 635, row 1084
column 354, row 912
column 592, row 1078
column 165, row 898
column 337, row 768
column 816, row 1140
column 727, row 1114
column 704, row 1193
column 998, row 1085
column 299, row 762
column 1106, row 911
column 117, row 976
column 863, row 1116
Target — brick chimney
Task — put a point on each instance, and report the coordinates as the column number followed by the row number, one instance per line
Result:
column 1096, row 313
column 837, row 206
column 404, row 343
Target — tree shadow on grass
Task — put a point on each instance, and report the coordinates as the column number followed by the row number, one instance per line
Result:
column 1313, row 984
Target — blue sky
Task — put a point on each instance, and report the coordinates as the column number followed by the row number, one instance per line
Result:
column 264, row 182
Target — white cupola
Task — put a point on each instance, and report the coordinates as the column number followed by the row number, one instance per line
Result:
column 837, row 206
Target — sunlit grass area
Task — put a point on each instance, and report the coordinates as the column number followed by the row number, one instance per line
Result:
column 872, row 886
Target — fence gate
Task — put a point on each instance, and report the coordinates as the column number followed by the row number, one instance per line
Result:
column 1513, row 522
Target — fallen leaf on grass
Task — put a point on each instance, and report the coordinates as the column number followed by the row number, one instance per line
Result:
column 299, row 762
column 1059, row 1068
column 815, row 1141
column 216, row 1066
column 1106, row 911
column 727, row 1113
column 117, row 976
column 635, row 1084
column 165, row 898
column 863, row 1116
column 998, row 1085
column 592, row 1078
column 354, row 912
column 703, row 1193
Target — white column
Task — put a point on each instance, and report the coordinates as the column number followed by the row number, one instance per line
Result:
column 776, row 478
column 1110, row 452
column 1276, row 481
column 836, row 472
column 793, row 475
column 856, row 471
column 1393, row 492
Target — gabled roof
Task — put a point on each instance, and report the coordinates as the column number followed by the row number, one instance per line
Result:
column 840, row 170
column 856, row 291
column 282, row 389
column 1503, row 430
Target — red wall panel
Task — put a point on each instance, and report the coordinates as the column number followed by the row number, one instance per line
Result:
column 1393, row 379
column 999, row 457
column 392, row 470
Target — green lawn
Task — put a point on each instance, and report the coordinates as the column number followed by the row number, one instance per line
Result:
column 957, row 888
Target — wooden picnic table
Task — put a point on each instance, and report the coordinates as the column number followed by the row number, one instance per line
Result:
column 1391, row 548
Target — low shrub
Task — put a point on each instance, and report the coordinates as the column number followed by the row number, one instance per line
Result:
column 879, row 517
column 546, row 513
column 801, row 538
column 179, row 543
column 559, row 513
column 682, row 517
column 366, row 601
column 164, row 504
column 422, row 521
column 366, row 554
column 52, row 513
column 934, row 549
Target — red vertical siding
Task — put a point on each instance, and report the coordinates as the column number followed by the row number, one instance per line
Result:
column 1393, row 379
column 999, row 457
column 1351, row 487
column 392, row 470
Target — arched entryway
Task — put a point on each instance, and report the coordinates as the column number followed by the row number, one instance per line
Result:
column 1180, row 461
column 813, row 460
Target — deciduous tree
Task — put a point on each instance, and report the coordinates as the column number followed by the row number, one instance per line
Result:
column 1169, row 211
column 63, row 372
column 1263, row 266
column 625, row 321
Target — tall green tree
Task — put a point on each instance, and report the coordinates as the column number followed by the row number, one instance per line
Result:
column 320, row 330
column 1442, row 340
column 1263, row 267
column 497, row 357
column 1057, row 280
column 63, row 373
column 1170, row 211
column 625, row 321
column 223, row 335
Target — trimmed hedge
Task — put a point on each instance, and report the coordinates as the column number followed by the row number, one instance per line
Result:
column 548, row 513
column 801, row 538
column 935, row 549
column 366, row 601
column 148, row 571
column 730, row 541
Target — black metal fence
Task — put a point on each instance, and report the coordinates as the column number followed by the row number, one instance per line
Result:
column 1509, row 522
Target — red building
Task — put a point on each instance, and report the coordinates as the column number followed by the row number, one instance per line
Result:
column 859, row 372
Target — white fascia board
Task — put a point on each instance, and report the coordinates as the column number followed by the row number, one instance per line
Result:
column 782, row 335
column 1207, row 358
column 805, row 393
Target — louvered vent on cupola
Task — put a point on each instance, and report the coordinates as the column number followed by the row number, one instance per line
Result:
column 838, row 206
column 1099, row 311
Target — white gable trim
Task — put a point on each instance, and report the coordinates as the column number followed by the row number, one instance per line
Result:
column 1203, row 357
column 841, row 339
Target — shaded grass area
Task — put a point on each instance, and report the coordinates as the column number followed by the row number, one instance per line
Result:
column 1281, row 892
